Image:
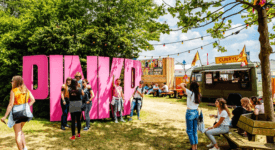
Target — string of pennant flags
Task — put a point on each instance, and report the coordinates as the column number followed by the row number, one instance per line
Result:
column 200, row 47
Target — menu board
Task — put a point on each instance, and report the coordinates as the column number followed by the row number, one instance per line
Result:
column 208, row 78
column 152, row 67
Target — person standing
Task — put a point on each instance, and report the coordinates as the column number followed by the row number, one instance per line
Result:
column 78, row 78
column 65, row 102
column 75, row 95
column 222, row 126
column 88, row 100
column 19, row 100
column 193, row 100
column 137, row 100
column 117, row 100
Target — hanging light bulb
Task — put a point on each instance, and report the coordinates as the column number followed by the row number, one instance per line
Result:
column 94, row 42
column 246, row 27
column 147, row 46
column 163, row 45
column 144, row 56
column 118, row 46
column 105, row 44
column 159, row 56
column 168, row 56
column 178, row 54
column 189, row 51
column 152, row 57
column 223, row 32
column 201, row 47
column 202, row 38
column 182, row 42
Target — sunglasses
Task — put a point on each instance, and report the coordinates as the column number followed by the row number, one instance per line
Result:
column 78, row 76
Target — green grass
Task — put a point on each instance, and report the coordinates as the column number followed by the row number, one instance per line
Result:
column 150, row 133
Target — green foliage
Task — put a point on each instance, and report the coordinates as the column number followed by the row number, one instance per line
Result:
column 221, row 18
column 74, row 27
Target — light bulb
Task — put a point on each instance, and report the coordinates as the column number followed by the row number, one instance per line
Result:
column 201, row 38
column 223, row 32
column 163, row 45
column 178, row 54
column 182, row 42
column 201, row 47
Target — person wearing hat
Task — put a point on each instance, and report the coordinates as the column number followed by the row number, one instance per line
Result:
column 137, row 97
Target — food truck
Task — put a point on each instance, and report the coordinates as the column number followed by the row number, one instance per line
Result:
column 225, row 79
column 158, row 71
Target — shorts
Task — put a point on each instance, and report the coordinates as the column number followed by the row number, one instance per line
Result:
column 22, row 120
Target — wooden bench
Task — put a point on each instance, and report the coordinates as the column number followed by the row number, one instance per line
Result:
column 237, row 141
column 170, row 93
column 253, row 128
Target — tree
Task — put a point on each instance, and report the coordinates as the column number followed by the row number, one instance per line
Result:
column 120, row 28
column 188, row 21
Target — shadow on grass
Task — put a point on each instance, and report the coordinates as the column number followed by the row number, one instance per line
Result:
column 108, row 135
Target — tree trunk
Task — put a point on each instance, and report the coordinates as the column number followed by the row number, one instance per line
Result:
column 265, row 67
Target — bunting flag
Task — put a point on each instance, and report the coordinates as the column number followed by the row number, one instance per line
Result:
column 195, row 59
column 207, row 59
column 243, row 57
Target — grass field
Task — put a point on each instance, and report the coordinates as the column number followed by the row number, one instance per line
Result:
column 162, row 127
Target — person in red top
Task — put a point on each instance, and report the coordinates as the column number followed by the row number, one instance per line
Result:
column 117, row 100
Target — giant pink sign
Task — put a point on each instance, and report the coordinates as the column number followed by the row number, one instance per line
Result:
column 98, row 74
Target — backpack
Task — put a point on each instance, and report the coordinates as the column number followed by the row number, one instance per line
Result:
column 142, row 89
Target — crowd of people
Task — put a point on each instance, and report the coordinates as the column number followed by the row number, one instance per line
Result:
column 223, row 115
column 156, row 89
column 77, row 96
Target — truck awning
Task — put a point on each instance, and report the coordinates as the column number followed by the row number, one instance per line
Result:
column 226, row 70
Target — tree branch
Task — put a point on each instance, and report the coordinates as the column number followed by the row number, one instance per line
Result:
column 230, row 16
column 246, row 3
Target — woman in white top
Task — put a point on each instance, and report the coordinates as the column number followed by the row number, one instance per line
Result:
column 193, row 100
column 257, row 105
column 222, row 126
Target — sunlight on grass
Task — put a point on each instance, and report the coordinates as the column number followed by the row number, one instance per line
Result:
column 162, row 127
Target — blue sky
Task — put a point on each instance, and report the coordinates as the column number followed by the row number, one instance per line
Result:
column 248, row 37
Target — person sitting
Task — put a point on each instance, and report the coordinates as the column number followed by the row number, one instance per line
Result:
column 258, row 106
column 156, row 90
column 150, row 89
column 164, row 88
column 243, row 109
column 222, row 126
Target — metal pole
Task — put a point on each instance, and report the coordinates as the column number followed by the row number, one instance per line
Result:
column 184, row 74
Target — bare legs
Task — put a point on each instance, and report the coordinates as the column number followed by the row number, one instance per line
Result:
column 19, row 135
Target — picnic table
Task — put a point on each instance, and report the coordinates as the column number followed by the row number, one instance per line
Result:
column 177, row 93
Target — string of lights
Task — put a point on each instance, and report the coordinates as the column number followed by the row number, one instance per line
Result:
column 201, row 47
column 182, row 41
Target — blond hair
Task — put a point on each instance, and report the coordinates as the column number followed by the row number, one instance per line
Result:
column 19, row 83
column 245, row 102
column 223, row 105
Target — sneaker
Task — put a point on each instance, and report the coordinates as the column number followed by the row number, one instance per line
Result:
column 122, row 120
column 67, row 126
column 214, row 148
column 25, row 148
column 210, row 145
column 72, row 138
column 78, row 135
column 139, row 119
column 63, row 128
column 116, row 121
column 130, row 119
column 86, row 129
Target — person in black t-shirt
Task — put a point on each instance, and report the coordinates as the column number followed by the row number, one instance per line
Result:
column 243, row 109
column 75, row 95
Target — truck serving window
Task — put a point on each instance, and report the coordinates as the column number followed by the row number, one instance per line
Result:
column 196, row 76
column 234, row 76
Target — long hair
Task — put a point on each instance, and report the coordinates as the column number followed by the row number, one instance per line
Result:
column 255, row 100
column 74, row 84
column 245, row 102
column 66, row 85
column 194, row 87
column 223, row 105
column 19, row 83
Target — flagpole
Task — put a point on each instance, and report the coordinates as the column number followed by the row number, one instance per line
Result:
column 200, row 60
